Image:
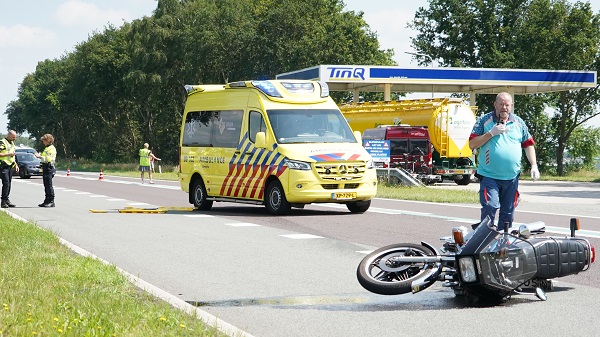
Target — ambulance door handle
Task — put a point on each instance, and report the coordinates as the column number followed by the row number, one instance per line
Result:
column 240, row 152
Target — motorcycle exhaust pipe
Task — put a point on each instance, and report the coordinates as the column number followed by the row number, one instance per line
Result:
column 427, row 279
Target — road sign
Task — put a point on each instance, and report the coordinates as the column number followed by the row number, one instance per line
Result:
column 378, row 149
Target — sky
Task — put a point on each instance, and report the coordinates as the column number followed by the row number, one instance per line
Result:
column 33, row 31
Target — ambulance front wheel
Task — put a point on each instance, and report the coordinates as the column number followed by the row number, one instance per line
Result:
column 358, row 206
column 200, row 195
column 275, row 199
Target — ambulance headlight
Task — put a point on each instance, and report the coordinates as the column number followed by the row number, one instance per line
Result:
column 467, row 269
column 298, row 165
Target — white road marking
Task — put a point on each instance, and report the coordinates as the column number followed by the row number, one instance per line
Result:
column 242, row 224
column 364, row 251
column 301, row 236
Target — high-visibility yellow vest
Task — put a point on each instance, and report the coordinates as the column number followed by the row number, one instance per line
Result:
column 7, row 147
column 145, row 157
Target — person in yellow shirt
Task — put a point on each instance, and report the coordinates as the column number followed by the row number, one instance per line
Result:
column 7, row 161
column 145, row 156
column 48, row 158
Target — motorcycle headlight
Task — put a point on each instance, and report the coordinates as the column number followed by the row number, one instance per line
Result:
column 467, row 269
column 298, row 165
column 370, row 164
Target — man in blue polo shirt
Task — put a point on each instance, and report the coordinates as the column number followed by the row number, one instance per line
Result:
column 500, row 135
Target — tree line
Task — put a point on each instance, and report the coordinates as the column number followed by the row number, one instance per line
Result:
column 125, row 86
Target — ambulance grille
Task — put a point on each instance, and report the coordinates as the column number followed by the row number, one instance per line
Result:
column 340, row 172
column 340, row 186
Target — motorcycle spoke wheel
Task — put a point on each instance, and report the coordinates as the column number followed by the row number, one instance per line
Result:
column 380, row 272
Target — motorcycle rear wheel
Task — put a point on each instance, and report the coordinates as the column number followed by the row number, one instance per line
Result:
column 380, row 274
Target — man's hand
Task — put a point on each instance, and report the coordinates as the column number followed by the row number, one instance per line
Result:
column 498, row 129
column 535, row 173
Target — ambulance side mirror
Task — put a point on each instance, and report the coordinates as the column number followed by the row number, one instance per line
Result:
column 261, row 140
column 358, row 137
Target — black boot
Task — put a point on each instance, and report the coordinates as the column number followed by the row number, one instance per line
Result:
column 46, row 204
column 10, row 204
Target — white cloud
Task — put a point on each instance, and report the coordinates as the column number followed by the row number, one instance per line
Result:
column 75, row 13
column 21, row 36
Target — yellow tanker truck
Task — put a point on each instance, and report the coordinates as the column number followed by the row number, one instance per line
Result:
column 428, row 137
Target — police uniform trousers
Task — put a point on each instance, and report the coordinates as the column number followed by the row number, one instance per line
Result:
column 6, row 175
column 47, row 175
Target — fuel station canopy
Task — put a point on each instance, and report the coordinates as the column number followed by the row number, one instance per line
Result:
column 387, row 79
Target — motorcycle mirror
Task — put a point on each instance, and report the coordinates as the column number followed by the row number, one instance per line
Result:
column 524, row 232
column 541, row 294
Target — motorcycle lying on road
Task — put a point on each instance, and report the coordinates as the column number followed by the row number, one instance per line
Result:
column 482, row 264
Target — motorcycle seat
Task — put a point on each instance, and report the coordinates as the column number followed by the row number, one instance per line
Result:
column 557, row 257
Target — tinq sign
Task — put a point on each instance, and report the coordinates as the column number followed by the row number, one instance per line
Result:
column 346, row 73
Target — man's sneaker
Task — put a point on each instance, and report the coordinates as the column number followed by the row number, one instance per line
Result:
column 10, row 204
column 46, row 204
column 4, row 205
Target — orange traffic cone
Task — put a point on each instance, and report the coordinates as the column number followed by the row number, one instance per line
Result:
column 68, row 172
column 101, row 175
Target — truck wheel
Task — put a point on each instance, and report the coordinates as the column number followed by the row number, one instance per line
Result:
column 275, row 200
column 358, row 206
column 200, row 195
column 465, row 180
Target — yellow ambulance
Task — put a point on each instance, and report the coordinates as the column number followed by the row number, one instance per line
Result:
column 281, row 144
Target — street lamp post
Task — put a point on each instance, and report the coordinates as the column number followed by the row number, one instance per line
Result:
column 430, row 60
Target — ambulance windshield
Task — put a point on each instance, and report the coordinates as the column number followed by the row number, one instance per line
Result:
column 310, row 126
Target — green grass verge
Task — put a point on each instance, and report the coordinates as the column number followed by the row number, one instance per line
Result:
column 458, row 195
column 47, row 290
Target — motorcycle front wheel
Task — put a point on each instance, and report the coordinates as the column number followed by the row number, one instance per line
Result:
column 380, row 273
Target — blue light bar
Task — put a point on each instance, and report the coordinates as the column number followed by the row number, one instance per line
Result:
column 267, row 88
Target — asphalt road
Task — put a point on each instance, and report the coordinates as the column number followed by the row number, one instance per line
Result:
column 295, row 275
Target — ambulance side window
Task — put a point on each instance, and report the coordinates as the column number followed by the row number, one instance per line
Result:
column 198, row 127
column 226, row 128
column 256, row 124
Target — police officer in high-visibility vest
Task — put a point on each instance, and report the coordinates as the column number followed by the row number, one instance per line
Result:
column 48, row 158
column 7, row 162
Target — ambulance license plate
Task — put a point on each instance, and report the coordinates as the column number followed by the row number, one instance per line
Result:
column 343, row 195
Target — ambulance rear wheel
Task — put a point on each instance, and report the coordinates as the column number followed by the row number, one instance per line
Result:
column 200, row 195
column 275, row 199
